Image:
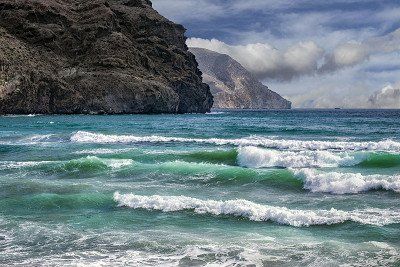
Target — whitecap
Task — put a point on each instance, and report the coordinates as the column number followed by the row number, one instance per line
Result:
column 258, row 212
column 215, row 113
column 4, row 165
column 345, row 183
column 102, row 151
column 118, row 163
column 383, row 145
column 112, row 163
column 254, row 157
column 37, row 138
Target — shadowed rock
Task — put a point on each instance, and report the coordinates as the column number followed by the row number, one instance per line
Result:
column 98, row 56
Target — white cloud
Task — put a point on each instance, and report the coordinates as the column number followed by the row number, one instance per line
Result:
column 302, row 58
column 343, row 89
column 265, row 61
column 350, row 54
column 317, row 53
column 387, row 97
column 353, row 53
column 345, row 55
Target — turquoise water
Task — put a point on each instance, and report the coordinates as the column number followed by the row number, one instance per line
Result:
column 272, row 188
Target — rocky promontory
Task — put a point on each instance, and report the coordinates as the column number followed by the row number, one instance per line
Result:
column 234, row 87
column 97, row 56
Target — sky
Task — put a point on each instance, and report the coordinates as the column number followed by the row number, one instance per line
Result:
column 316, row 53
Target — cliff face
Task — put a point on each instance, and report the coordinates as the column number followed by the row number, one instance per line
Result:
column 97, row 56
column 233, row 86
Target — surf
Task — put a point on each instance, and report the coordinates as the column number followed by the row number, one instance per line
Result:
column 346, row 183
column 257, row 212
column 383, row 145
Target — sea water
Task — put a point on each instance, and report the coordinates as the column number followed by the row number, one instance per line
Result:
column 231, row 188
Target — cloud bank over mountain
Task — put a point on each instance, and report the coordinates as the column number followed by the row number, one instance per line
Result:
column 266, row 61
column 312, row 52
column 303, row 58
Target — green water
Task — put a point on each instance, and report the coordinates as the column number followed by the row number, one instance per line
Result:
column 268, row 188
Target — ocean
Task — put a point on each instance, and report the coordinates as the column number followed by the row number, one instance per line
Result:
column 229, row 188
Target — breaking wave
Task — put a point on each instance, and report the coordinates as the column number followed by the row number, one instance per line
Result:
column 254, row 157
column 384, row 145
column 87, row 164
column 258, row 212
column 95, row 162
column 310, row 179
column 345, row 183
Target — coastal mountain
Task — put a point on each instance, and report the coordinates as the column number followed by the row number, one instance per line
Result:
column 233, row 86
column 98, row 56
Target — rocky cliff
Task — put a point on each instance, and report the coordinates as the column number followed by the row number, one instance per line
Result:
column 97, row 56
column 233, row 86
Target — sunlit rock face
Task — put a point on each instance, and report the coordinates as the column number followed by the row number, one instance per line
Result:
column 233, row 86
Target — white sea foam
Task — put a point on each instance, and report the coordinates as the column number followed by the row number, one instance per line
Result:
column 257, row 212
column 112, row 163
column 118, row 163
column 215, row 113
column 346, row 183
column 102, row 151
column 23, row 164
column 254, row 157
column 19, row 115
column 384, row 145
column 37, row 138
column 190, row 255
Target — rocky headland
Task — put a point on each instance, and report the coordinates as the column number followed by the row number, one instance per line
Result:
column 95, row 57
column 232, row 86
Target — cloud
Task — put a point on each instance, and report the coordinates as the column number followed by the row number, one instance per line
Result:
column 387, row 97
column 353, row 53
column 333, row 96
column 265, row 61
column 303, row 58
column 317, row 53
column 345, row 55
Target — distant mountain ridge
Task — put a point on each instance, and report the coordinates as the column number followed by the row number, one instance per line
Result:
column 232, row 85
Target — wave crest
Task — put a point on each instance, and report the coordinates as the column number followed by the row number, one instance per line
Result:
column 257, row 212
column 346, row 183
column 255, row 157
column 384, row 145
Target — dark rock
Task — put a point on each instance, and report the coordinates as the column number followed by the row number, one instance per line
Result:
column 233, row 86
column 98, row 56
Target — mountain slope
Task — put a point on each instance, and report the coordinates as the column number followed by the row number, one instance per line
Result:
column 98, row 56
column 233, row 86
